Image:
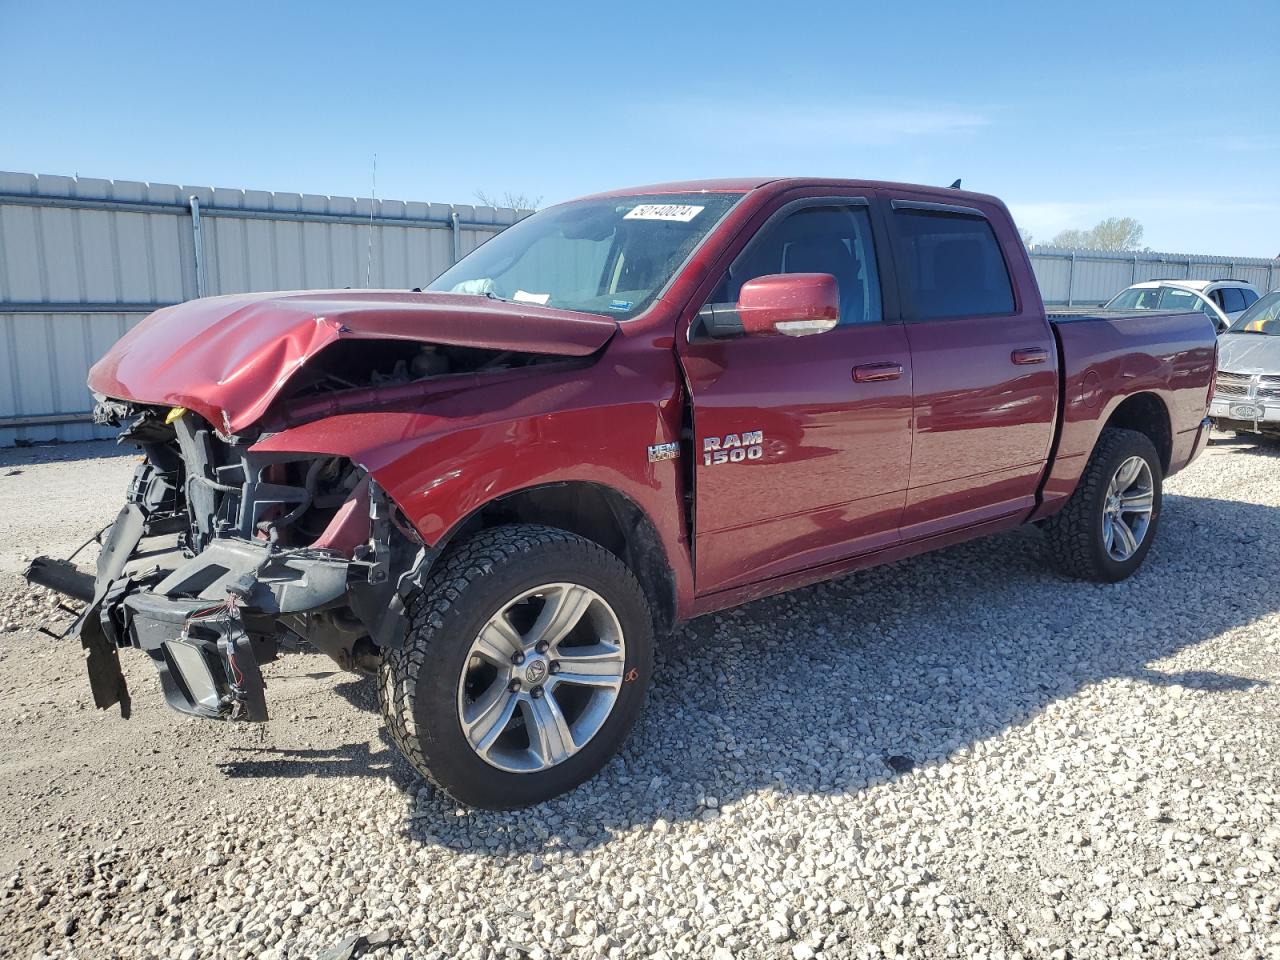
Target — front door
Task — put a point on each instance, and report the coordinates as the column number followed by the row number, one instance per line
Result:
column 802, row 444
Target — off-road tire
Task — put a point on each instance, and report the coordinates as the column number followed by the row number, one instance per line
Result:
column 1074, row 536
column 418, row 683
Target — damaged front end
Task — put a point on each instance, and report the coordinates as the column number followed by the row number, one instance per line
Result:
column 222, row 556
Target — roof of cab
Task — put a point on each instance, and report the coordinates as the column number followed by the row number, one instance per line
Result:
column 778, row 184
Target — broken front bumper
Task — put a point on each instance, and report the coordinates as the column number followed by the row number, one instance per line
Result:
column 207, row 625
column 208, row 568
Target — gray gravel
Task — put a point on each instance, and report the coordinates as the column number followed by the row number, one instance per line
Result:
column 959, row 755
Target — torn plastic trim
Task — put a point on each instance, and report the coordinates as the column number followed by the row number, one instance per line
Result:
column 207, row 660
column 382, row 602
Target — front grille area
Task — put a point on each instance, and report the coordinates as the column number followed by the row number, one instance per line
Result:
column 1269, row 388
column 1232, row 384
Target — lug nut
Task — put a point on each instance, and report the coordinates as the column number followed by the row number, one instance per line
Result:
column 518, row 658
column 543, row 646
column 514, row 686
column 536, row 693
column 555, row 666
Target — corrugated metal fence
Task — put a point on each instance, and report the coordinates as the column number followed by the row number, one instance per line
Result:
column 1090, row 277
column 82, row 260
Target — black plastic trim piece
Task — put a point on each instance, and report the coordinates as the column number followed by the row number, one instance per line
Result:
column 929, row 206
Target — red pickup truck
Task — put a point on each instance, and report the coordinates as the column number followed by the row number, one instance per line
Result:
column 622, row 412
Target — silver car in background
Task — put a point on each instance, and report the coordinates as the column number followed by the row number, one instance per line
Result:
column 1246, row 395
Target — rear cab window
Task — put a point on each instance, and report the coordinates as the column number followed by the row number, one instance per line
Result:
column 950, row 263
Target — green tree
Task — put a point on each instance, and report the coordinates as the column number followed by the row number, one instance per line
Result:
column 1113, row 233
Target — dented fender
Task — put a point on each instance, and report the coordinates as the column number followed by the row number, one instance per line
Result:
column 441, row 462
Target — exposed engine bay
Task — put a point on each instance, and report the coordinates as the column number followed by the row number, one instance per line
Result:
column 221, row 557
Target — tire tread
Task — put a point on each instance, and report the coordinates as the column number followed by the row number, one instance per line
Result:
column 475, row 557
column 1072, row 547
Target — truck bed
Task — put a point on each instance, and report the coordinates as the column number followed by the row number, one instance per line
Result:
column 1108, row 356
column 1077, row 314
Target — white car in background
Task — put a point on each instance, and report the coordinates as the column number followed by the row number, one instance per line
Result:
column 1222, row 301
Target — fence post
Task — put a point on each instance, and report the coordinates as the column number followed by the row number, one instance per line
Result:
column 197, row 244
column 1133, row 274
column 1071, row 280
column 457, row 236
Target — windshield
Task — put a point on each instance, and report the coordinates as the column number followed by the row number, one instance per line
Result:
column 1156, row 298
column 1262, row 317
column 610, row 256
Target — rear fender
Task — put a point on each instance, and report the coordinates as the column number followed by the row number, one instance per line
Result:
column 1106, row 362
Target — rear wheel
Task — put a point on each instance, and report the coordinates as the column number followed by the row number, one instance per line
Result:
column 1108, row 525
column 525, row 667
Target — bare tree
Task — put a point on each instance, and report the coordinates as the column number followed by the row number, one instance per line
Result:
column 1113, row 233
column 517, row 201
column 1027, row 239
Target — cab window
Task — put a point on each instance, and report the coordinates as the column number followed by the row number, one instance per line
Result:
column 833, row 239
column 1176, row 299
column 1232, row 299
column 950, row 265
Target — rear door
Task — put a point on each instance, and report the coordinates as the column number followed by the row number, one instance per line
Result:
column 984, row 367
column 801, row 443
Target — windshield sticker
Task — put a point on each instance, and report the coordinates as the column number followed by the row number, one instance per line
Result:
column 619, row 304
column 523, row 296
column 679, row 212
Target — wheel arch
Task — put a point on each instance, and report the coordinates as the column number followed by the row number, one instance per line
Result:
column 1145, row 413
column 599, row 513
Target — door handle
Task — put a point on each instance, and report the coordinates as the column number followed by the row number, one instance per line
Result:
column 868, row 372
column 1030, row 355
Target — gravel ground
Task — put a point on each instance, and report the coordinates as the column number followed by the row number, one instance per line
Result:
column 958, row 755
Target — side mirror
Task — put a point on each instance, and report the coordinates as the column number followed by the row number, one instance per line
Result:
column 793, row 304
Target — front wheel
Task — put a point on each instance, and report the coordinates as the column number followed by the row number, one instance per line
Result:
column 1108, row 525
column 525, row 667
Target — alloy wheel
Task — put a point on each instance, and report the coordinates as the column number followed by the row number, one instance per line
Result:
column 1127, row 510
column 541, row 678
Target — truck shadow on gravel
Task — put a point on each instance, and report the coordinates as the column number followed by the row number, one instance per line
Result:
column 842, row 686
column 1247, row 443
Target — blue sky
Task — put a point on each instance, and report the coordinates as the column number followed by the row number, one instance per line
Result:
column 1070, row 112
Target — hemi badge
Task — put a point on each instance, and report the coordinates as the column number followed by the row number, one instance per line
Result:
column 663, row 451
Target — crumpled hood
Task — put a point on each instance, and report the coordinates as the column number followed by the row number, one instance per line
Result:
column 1249, row 353
column 227, row 358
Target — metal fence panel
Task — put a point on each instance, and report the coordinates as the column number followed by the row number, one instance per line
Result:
column 82, row 260
column 1084, row 277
